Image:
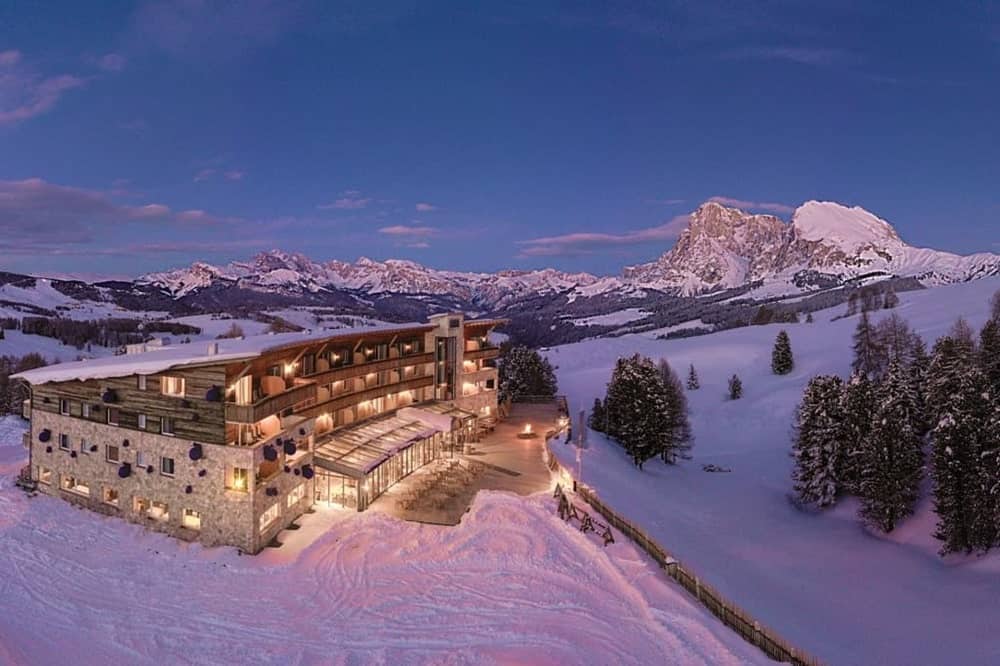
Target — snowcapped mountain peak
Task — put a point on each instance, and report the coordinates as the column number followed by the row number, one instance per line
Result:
column 849, row 228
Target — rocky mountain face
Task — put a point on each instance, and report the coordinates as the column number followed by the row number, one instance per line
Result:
column 825, row 244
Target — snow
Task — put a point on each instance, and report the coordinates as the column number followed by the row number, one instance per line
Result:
column 16, row 343
column 612, row 318
column 823, row 581
column 848, row 228
column 163, row 358
column 511, row 584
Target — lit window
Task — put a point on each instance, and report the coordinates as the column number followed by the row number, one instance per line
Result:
column 191, row 519
column 112, row 454
column 85, row 410
column 112, row 416
column 64, row 407
column 167, row 466
column 172, row 386
column 240, row 479
column 140, row 504
column 110, row 496
column 141, row 382
column 64, row 442
column 142, row 421
column 74, row 485
column 159, row 511
column 45, row 475
column 296, row 495
column 167, row 425
column 269, row 516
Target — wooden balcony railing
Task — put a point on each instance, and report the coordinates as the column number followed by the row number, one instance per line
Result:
column 358, row 369
column 272, row 404
column 355, row 397
column 482, row 353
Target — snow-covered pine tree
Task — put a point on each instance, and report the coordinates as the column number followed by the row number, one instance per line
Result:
column 640, row 409
column 597, row 421
column 866, row 351
column 891, row 299
column 524, row 372
column 963, row 336
column 852, row 304
column 961, row 499
column 989, row 354
column 614, row 400
column 678, row 444
column 735, row 388
column 892, row 456
column 817, row 449
column 949, row 360
column 920, row 364
column 782, row 361
column 692, row 382
column 809, row 318
column 858, row 412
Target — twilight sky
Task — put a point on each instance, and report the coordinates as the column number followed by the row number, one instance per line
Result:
column 136, row 136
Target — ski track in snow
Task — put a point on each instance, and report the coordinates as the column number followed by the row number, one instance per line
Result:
column 512, row 584
column 822, row 581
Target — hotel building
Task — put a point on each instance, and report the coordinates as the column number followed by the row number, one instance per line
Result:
column 227, row 442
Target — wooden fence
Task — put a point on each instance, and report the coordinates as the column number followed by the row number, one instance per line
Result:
column 731, row 615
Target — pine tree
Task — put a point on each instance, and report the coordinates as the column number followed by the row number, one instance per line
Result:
column 891, row 299
column 989, row 353
column 995, row 306
column 809, row 318
column 637, row 409
column 678, row 443
column 818, row 445
column 692, row 382
column 735, row 388
column 866, row 351
column 892, row 455
column 524, row 372
column 782, row 361
column 859, row 412
column 963, row 336
column 961, row 500
column 852, row 304
column 949, row 359
column 920, row 364
column 596, row 421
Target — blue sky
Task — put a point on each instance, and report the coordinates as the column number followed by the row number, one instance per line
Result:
column 141, row 136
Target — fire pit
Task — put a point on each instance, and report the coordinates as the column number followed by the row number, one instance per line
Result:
column 527, row 433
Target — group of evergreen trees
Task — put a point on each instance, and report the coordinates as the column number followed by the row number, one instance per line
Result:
column 12, row 393
column 523, row 372
column 645, row 410
column 904, row 410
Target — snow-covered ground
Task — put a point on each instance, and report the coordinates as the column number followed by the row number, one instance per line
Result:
column 822, row 581
column 511, row 585
column 612, row 318
column 16, row 343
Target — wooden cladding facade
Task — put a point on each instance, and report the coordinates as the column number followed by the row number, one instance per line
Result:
column 353, row 398
column 359, row 369
column 272, row 404
column 194, row 417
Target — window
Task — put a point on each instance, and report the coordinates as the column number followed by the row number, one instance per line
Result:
column 274, row 371
column 74, row 485
column 490, row 384
column 309, row 364
column 142, row 421
column 172, row 386
column 159, row 511
column 110, row 496
column 45, row 475
column 64, row 407
column 167, row 425
column 140, row 504
column 191, row 519
column 167, row 466
column 454, row 323
column 141, row 459
column 112, row 416
column 269, row 516
column 141, row 382
column 298, row 492
column 111, row 453
column 84, row 445
column 85, row 410
column 239, row 479
column 64, row 442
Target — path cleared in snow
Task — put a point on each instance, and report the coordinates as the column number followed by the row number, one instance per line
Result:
column 511, row 585
column 822, row 581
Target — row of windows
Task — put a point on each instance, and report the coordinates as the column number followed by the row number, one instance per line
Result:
column 113, row 416
column 272, row 512
column 113, row 454
column 155, row 510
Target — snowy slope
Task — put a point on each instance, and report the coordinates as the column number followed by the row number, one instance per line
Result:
column 822, row 580
column 511, row 585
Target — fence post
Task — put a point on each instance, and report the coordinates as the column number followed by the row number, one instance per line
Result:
column 756, row 633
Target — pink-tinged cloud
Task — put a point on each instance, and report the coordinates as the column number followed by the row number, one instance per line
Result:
column 111, row 62
column 234, row 175
column 9, row 58
column 598, row 242
column 743, row 204
column 24, row 94
column 411, row 232
column 424, row 207
column 204, row 175
column 349, row 200
column 36, row 215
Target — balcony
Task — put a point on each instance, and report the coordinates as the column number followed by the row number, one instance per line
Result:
column 482, row 352
column 272, row 404
column 359, row 369
column 355, row 397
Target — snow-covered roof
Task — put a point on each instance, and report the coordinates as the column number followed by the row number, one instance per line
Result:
column 160, row 359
